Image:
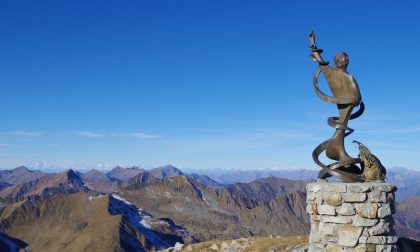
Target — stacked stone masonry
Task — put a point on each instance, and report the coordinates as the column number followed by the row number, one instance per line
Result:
column 351, row 217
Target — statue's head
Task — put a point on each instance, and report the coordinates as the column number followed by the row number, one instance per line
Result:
column 341, row 61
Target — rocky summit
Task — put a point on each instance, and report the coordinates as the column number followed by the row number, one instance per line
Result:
column 101, row 223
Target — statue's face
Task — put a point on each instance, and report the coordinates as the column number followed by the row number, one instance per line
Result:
column 341, row 60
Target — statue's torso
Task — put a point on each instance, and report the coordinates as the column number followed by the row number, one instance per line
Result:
column 342, row 84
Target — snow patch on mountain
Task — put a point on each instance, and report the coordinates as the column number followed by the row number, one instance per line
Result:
column 146, row 223
column 89, row 186
column 115, row 196
column 179, row 209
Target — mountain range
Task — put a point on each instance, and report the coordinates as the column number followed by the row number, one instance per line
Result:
column 406, row 180
column 209, row 213
column 134, row 209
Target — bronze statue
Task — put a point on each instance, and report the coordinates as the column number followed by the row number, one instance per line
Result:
column 346, row 95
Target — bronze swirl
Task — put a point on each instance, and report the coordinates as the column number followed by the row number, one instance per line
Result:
column 333, row 169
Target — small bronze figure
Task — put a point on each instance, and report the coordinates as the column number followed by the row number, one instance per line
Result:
column 346, row 95
column 372, row 168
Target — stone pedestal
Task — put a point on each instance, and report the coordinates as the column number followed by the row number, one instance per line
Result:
column 351, row 216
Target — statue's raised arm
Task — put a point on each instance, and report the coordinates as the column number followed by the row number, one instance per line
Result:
column 316, row 53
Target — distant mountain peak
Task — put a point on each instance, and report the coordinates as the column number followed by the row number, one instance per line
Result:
column 21, row 168
column 168, row 166
column 71, row 173
column 134, row 168
column 141, row 180
column 118, row 167
column 124, row 174
column 166, row 171
column 93, row 171
column 19, row 175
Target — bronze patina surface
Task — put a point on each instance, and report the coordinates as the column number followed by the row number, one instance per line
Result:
column 372, row 168
column 347, row 97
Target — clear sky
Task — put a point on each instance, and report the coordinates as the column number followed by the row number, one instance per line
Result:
column 201, row 84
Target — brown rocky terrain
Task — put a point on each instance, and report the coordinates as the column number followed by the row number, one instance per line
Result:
column 101, row 181
column 156, row 212
column 56, row 223
column 265, row 189
column 80, row 222
column 47, row 185
column 141, row 180
column 210, row 214
column 205, row 181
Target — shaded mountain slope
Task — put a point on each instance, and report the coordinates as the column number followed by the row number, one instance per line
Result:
column 407, row 218
column 47, row 185
column 403, row 177
column 141, row 180
column 406, row 180
column 265, row 189
column 96, row 176
column 10, row 244
column 405, row 192
column 4, row 185
column 205, row 181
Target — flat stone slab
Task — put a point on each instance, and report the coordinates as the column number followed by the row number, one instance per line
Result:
column 346, row 209
column 384, row 211
column 355, row 197
column 367, row 210
column 359, row 221
column 326, row 210
column 348, row 235
column 333, row 199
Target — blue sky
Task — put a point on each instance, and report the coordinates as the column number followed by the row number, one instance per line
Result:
column 201, row 84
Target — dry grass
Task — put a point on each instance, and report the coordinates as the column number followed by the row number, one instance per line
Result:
column 67, row 223
column 253, row 244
